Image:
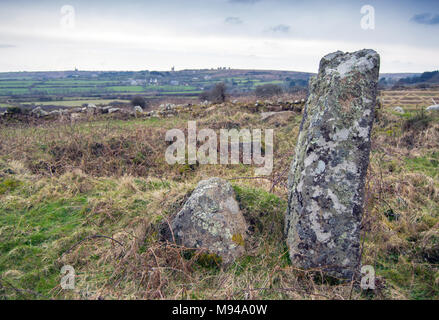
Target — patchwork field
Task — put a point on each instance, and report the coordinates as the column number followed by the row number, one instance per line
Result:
column 39, row 86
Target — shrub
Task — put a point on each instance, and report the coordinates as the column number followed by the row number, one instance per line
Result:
column 217, row 94
column 138, row 101
column 14, row 110
column 419, row 121
column 268, row 90
column 204, row 95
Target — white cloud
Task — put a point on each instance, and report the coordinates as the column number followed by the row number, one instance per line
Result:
column 204, row 35
column 233, row 20
column 280, row 28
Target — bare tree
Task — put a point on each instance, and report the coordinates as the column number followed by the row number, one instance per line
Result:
column 138, row 101
column 217, row 94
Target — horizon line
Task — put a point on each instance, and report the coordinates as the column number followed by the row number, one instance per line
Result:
column 194, row 69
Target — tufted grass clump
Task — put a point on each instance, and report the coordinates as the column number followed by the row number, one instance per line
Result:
column 263, row 210
column 8, row 184
column 209, row 260
column 420, row 120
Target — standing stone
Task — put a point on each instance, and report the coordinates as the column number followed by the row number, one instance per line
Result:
column 211, row 219
column 327, row 176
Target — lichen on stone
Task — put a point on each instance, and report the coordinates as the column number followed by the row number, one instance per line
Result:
column 238, row 239
column 210, row 219
column 326, row 178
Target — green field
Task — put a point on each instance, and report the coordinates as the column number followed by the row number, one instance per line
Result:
column 75, row 87
column 74, row 103
column 74, row 84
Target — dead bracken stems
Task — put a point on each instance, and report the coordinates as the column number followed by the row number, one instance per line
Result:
column 93, row 237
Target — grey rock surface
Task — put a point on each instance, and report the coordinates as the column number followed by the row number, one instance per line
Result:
column 113, row 110
column 268, row 115
column 434, row 107
column 91, row 108
column 138, row 109
column 55, row 112
column 39, row 112
column 211, row 219
column 398, row 109
column 327, row 175
column 105, row 109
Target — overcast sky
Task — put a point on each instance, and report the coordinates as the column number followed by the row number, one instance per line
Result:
column 246, row 34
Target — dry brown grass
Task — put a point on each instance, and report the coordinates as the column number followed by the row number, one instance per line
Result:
column 129, row 197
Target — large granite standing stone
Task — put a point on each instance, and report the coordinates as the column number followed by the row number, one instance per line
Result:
column 211, row 219
column 327, row 176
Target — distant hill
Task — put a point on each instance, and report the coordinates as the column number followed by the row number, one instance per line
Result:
column 56, row 85
column 430, row 77
column 390, row 79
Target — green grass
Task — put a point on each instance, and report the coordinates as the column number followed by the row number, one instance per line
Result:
column 181, row 92
column 79, row 82
column 416, row 279
column 125, row 88
column 8, row 184
column 33, row 237
column 16, row 83
column 74, row 103
column 14, row 91
column 428, row 164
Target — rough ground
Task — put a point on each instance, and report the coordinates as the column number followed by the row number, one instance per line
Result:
column 65, row 185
